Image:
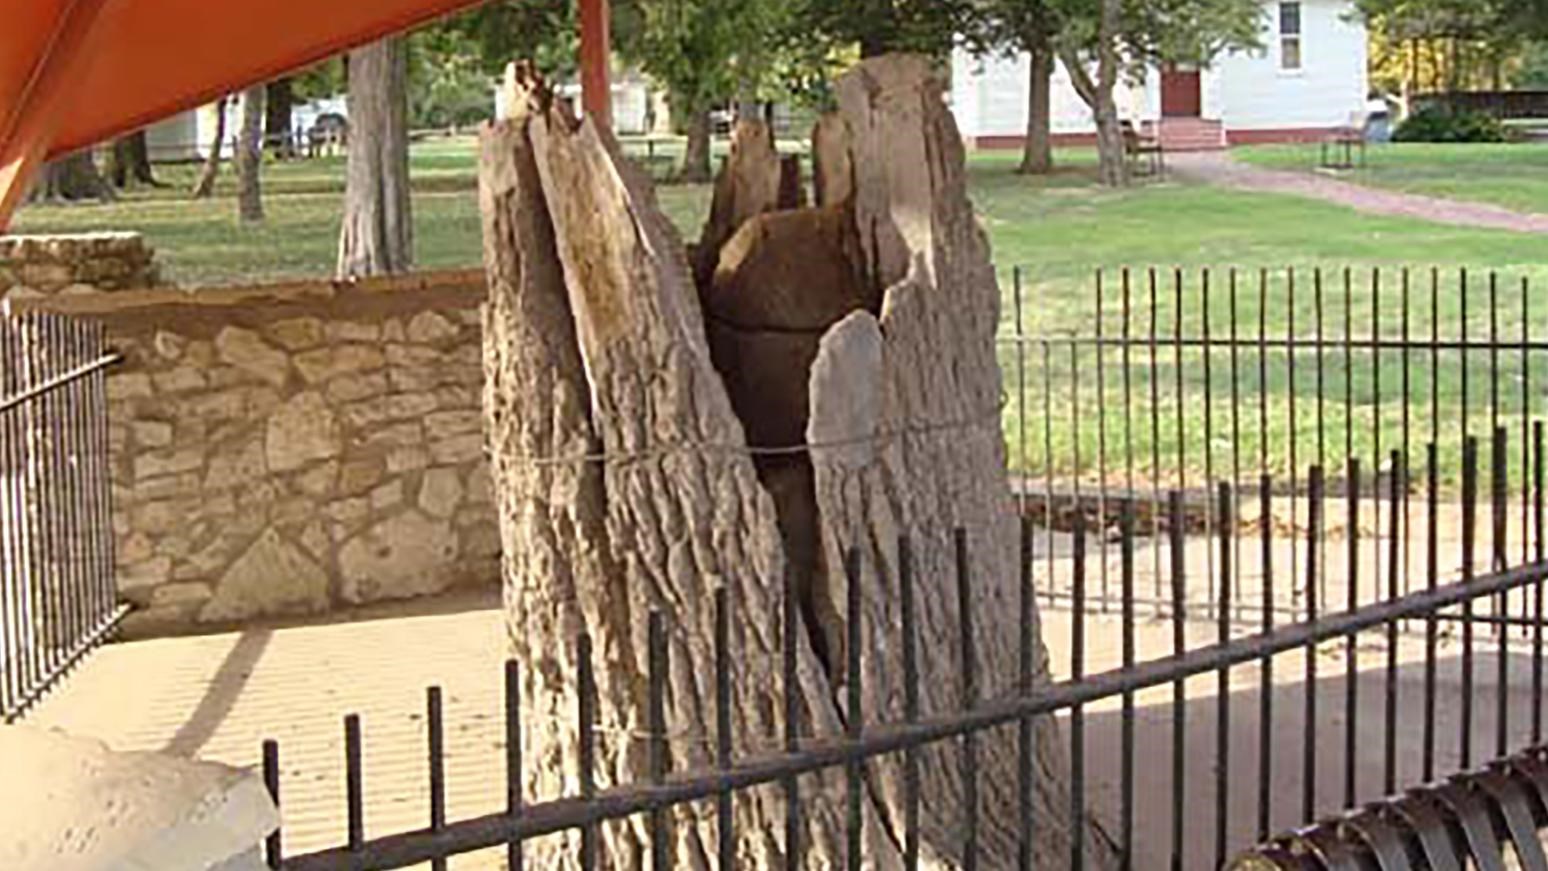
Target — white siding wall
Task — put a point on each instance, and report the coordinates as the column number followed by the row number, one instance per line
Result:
column 1257, row 94
column 175, row 138
column 1247, row 91
column 989, row 97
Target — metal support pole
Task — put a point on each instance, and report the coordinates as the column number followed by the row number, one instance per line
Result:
column 595, row 60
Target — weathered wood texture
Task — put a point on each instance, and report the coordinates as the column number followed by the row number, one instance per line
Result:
column 925, row 366
column 625, row 483
column 748, row 186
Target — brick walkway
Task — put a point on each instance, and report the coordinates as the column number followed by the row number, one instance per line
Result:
column 219, row 696
column 1221, row 169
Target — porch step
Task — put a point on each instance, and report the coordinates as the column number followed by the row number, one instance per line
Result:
column 1192, row 134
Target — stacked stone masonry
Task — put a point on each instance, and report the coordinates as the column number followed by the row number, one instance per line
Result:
column 292, row 450
column 45, row 266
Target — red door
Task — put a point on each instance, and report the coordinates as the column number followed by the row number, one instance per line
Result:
column 1180, row 93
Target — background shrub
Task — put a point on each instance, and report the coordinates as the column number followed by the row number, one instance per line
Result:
column 1435, row 124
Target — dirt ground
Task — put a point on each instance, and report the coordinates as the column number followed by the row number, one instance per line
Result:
column 220, row 696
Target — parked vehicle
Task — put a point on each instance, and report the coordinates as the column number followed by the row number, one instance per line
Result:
column 329, row 132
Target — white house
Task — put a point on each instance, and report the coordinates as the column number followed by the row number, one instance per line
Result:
column 180, row 137
column 1310, row 76
column 636, row 106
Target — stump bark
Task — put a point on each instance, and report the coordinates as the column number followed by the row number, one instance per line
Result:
column 831, row 385
column 750, row 183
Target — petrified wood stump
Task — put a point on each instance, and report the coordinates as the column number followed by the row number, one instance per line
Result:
column 817, row 379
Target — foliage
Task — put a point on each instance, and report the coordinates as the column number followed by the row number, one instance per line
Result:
column 455, row 63
column 1012, row 27
column 320, row 81
column 879, row 26
column 1532, row 72
column 1436, row 124
column 1448, row 45
column 1459, row 19
column 1148, row 32
column 449, row 84
column 1191, row 31
column 702, row 52
column 1151, row 32
column 545, row 32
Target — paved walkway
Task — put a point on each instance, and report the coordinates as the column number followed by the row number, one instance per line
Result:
column 218, row 696
column 1220, row 168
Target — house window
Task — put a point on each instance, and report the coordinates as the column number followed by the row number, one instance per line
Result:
column 1290, row 36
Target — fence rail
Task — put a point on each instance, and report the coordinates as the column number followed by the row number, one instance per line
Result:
column 57, row 590
column 1353, row 633
column 1160, row 379
column 1282, row 574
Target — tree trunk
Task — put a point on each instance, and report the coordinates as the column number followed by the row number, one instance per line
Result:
column 249, row 155
column 377, row 237
column 1113, row 166
column 876, row 313
column 129, row 162
column 277, row 131
column 73, row 178
column 205, row 184
column 140, row 168
column 1037, row 156
column 696, row 156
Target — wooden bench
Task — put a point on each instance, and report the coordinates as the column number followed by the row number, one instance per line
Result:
column 1144, row 152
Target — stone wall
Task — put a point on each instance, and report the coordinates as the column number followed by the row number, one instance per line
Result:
column 294, row 449
column 43, row 266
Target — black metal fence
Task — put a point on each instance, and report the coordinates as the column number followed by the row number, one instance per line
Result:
column 1244, row 774
column 57, row 591
column 1490, row 814
column 1163, row 379
column 1280, row 576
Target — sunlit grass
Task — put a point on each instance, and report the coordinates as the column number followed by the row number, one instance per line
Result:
column 1050, row 238
column 1514, row 175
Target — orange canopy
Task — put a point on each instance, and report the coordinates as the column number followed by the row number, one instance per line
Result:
column 77, row 72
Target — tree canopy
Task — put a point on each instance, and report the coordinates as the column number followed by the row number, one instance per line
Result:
column 880, row 26
column 702, row 52
column 1444, row 45
column 1148, row 32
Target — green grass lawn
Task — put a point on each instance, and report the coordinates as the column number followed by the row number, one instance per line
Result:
column 1514, row 175
column 1065, row 232
column 1056, row 233
column 201, row 242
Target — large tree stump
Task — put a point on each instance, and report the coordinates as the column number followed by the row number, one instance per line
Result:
column 622, row 401
column 752, row 181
